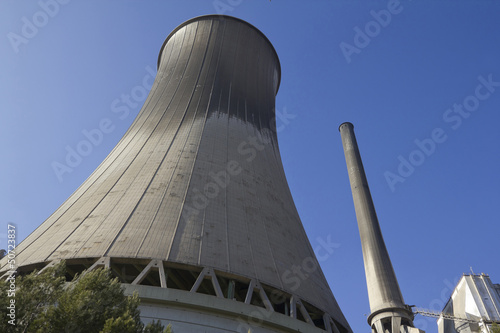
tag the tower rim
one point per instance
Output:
(348, 123)
(180, 26)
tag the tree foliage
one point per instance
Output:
(495, 328)
(92, 303)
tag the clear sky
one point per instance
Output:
(420, 81)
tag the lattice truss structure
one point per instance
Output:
(206, 280)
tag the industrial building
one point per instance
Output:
(473, 307)
(192, 209)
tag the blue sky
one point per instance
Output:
(420, 81)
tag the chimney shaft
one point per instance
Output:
(386, 301)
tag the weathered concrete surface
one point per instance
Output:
(198, 178)
(386, 300)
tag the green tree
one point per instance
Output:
(93, 302)
(31, 295)
(157, 327)
(495, 328)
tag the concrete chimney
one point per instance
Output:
(388, 311)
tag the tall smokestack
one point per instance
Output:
(388, 311)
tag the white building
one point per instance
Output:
(475, 298)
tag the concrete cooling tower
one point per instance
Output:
(192, 209)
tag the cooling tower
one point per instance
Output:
(192, 208)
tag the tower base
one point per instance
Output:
(189, 312)
(393, 320)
